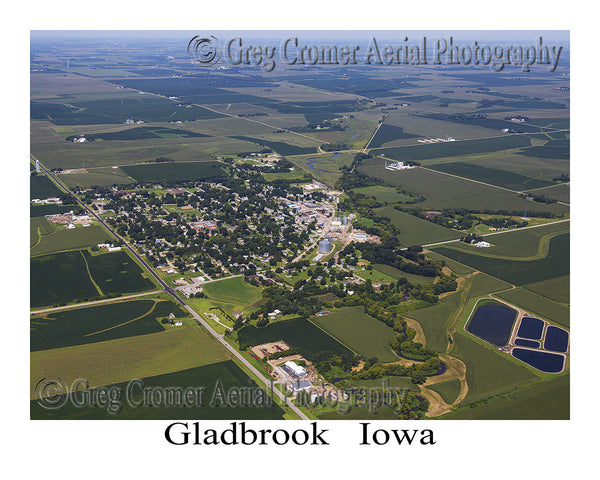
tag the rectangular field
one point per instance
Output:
(538, 305)
(208, 380)
(67, 239)
(416, 231)
(296, 332)
(99, 323)
(555, 264)
(122, 359)
(173, 171)
(359, 331)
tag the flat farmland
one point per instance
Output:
(99, 323)
(537, 305)
(416, 231)
(488, 372)
(41, 187)
(116, 272)
(66, 276)
(557, 289)
(98, 176)
(122, 359)
(444, 191)
(500, 178)
(296, 332)
(39, 226)
(173, 171)
(60, 238)
(555, 264)
(361, 332)
(561, 192)
(524, 404)
(60, 277)
(118, 153)
(451, 149)
(525, 243)
(206, 377)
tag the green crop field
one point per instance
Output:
(66, 276)
(555, 264)
(488, 372)
(389, 133)
(526, 243)
(145, 108)
(39, 226)
(140, 133)
(173, 171)
(416, 231)
(359, 331)
(501, 178)
(523, 404)
(557, 289)
(41, 187)
(48, 209)
(116, 272)
(296, 332)
(452, 149)
(538, 305)
(279, 147)
(444, 191)
(98, 176)
(214, 379)
(122, 359)
(59, 277)
(66, 239)
(448, 390)
(99, 323)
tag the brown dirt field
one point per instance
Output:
(455, 369)
(270, 348)
(437, 406)
(420, 336)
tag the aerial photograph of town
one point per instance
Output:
(303, 225)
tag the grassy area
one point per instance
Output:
(232, 290)
(207, 378)
(359, 331)
(99, 323)
(122, 359)
(382, 193)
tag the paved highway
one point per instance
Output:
(171, 291)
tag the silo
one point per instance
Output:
(325, 245)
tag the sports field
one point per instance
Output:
(361, 332)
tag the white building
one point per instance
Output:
(483, 244)
(295, 369)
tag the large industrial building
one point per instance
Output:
(294, 370)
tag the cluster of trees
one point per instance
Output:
(403, 343)
(471, 238)
(563, 177)
(540, 199)
(334, 147)
(485, 211)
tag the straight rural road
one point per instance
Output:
(171, 292)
